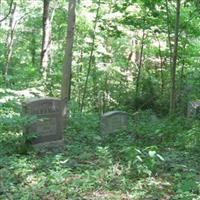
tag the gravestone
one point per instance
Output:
(49, 124)
(193, 109)
(113, 121)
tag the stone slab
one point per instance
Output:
(113, 121)
(49, 124)
(193, 110)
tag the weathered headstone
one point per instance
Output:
(113, 121)
(49, 123)
(193, 109)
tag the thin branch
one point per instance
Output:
(91, 56)
(168, 30)
(10, 9)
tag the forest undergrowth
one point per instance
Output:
(156, 158)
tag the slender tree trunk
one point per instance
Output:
(91, 57)
(51, 50)
(174, 61)
(9, 12)
(66, 80)
(168, 30)
(105, 94)
(182, 68)
(100, 102)
(137, 52)
(9, 41)
(161, 66)
(46, 39)
(33, 47)
(95, 87)
(140, 64)
(79, 71)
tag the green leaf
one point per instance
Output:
(152, 154)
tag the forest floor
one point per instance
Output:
(156, 159)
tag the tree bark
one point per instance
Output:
(79, 71)
(174, 60)
(46, 38)
(182, 68)
(66, 80)
(161, 65)
(91, 57)
(9, 12)
(140, 64)
(168, 31)
(9, 41)
(33, 47)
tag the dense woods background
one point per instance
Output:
(133, 55)
(128, 54)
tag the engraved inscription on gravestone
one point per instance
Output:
(48, 126)
(113, 121)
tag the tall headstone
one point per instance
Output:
(49, 124)
(113, 121)
(193, 109)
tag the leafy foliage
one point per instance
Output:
(121, 60)
(128, 164)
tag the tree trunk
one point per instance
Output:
(174, 61)
(9, 41)
(66, 80)
(168, 30)
(46, 39)
(161, 65)
(183, 67)
(9, 12)
(79, 71)
(140, 64)
(137, 52)
(33, 47)
(91, 57)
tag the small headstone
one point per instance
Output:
(49, 123)
(136, 116)
(193, 109)
(113, 121)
